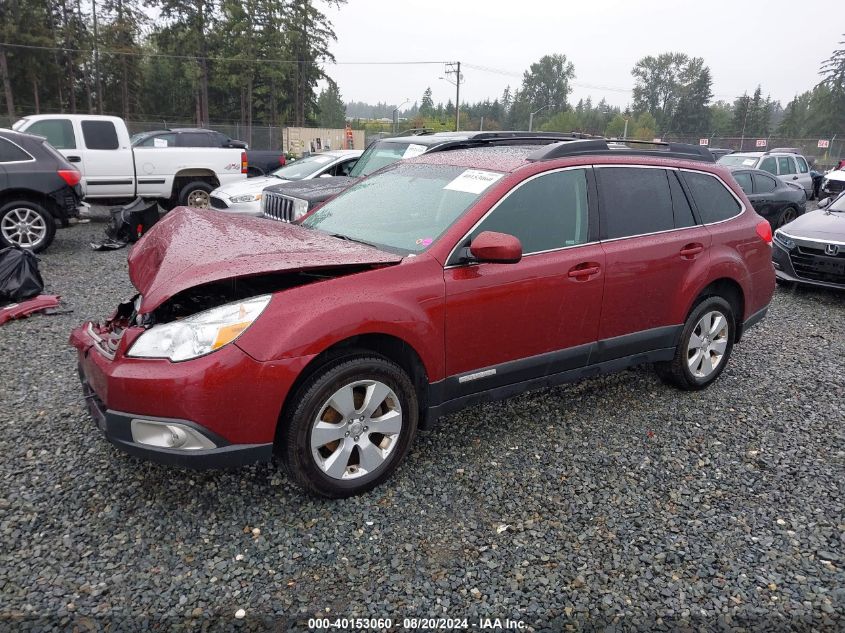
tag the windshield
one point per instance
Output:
(381, 154)
(303, 167)
(738, 159)
(404, 209)
(838, 204)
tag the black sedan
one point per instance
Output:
(777, 201)
(39, 190)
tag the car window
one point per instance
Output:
(544, 213)
(381, 154)
(715, 203)
(99, 135)
(737, 160)
(802, 164)
(634, 201)
(58, 132)
(786, 165)
(11, 153)
(302, 168)
(159, 140)
(194, 139)
(343, 168)
(764, 184)
(405, 208)
(680, 205)
(743, 179)
(768, 164)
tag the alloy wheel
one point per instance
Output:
(707, 344)
(199, 199)
(24, 227)
(356, 430)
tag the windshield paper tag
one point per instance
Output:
(473, 181)
(413, 150)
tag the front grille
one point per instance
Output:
(819, 251)
(218, 203)
(834, 186)
(818, 268)
(278, 207)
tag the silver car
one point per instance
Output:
(788, 166)
(244, 196)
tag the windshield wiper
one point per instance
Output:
(351, 239)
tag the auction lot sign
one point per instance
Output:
(823, 143)
(761, 142)
(704, 141)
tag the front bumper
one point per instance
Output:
(802, 265)
(227, 397)
(832, 187)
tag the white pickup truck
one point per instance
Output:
(111, 168)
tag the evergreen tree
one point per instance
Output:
(330, 107)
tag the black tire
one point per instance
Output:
(13, 211)
(192, 189)
(786, 216)
(677, 371)
(294, 435)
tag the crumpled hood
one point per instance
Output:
(837, 175)
(250, 185)
(317, 188)
(818, 225)
(190, 247)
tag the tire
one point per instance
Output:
(26, 224)
(193, 192)
(687, 370)
(339, 468)
(786, 216)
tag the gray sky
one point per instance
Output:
(776, 43)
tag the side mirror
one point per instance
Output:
(496, 248)
(824, 203)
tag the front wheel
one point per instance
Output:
(705, 346)
(786, 216)
(26, 224)
(350, 426)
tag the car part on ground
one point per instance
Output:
(405, 298)
(811, 250)
(41, 303)
(20, 278)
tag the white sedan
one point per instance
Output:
(244, 197)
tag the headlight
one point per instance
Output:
(300, 208)
(784, 241)
(201, 333)
(252, 197)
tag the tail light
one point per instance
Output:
(764, 230)
(243, 162)
(282, 160)
(70, 176)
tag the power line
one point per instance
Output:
(327, 62)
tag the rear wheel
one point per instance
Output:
(26, 224)
(350, 426)
(705, 346)
(196, 194)
(786, 216)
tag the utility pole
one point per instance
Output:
(454, 68)
(531, 116)
(97, 60)
(625, 133)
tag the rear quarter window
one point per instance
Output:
(99, 135)
(11, 153)
(713, 200)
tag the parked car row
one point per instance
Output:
(436, 282)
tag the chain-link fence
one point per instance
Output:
(824, 157)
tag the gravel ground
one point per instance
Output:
(613, 501)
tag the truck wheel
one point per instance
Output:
(26, 224)
(196, 194)
(705, 346)
(349, 426)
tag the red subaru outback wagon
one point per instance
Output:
(436, 283)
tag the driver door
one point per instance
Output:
(507, 323)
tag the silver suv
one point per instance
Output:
(788, 166)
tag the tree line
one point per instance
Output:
(671, 97)
(250, 61)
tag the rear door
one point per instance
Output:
(653, 245)
(787, 170)
(764, 198)
(804, 177)
(508, 323)
(109, 167)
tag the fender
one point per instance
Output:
(307, 320)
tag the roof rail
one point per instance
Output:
(578, 147)
(484, 140)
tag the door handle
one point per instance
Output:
(74, 159)
(584, 270)
(691, 250)
(795, 178)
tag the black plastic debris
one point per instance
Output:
(19, 276)
(128, 223)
